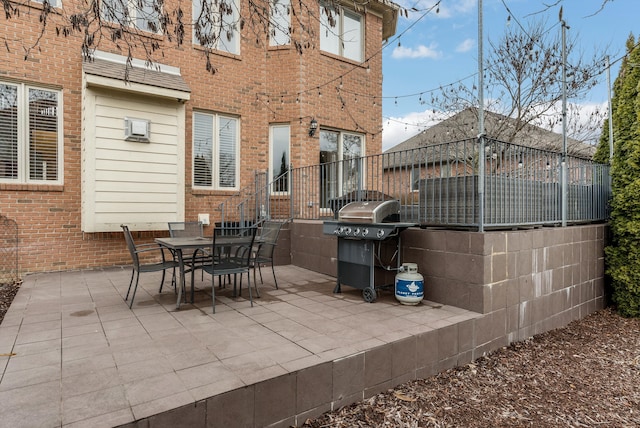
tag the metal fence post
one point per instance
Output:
(481, 166)
(291, 191)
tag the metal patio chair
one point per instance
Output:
(190, 229)
(135, 251)
(265, 248)
(233, 253)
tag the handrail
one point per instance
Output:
(468, 183)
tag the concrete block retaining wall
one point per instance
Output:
(518, 284)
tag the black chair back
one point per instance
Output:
(185, 229)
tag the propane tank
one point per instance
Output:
(409, 284)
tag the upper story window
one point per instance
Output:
(141, 14)
(341, 32)
(30, 134)
(52, 3)
(215, 24)
(280, 23)
(215, 151)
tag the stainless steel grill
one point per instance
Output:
(363, 229)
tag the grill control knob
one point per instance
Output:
(347, 230)
(365, 231)
(356, 232)
(380, 233)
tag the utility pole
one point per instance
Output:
(564, 176)
(610, 112)
(481, 142)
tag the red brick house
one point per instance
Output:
(87, 144)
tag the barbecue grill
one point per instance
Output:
(364, 229)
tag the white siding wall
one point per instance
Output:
(125, 182)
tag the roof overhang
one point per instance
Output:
(116, 72)
(386, 9)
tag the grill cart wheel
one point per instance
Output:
(369, 295)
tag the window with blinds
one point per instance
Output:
(30, 137)
(215, 151)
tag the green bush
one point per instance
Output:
(623, 255)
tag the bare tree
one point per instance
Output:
(212, 24)
(523, 81)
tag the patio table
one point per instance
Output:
(179, 244)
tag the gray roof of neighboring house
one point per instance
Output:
(464, 125)
(145, 76)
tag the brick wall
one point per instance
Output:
(263, 86)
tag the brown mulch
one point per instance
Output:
(7, 293)
(584, 375)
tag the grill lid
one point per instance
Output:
(370, 211)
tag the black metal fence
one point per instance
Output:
(469, 184)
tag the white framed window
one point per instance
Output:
(52, 3)
(216, 142)
(30, 134)
(341, 169)
(280, 23)
(216, 24)
(415, 178)
(341, 32)
(280, 149)
(141, 14)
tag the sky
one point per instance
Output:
(432, 49)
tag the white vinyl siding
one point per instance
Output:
(215, 151)
(140, 184)
(30, 134)
(216, 25)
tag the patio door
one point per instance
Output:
(341, 168)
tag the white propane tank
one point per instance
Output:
(409, 284)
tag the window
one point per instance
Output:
(280, 23)
(141, 14)
(280, 157)
(216, 24)
(215, 151)
(340, 157)
(52, 3)
(30, 134)
(341, 32)
(415, 178)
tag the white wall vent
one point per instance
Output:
(136, 130)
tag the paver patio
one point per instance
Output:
(73, 354)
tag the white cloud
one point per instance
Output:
(466, 45)
(418, 52)
(395, 130)
(445, 10)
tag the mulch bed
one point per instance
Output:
(584, 375)
(7, 293)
